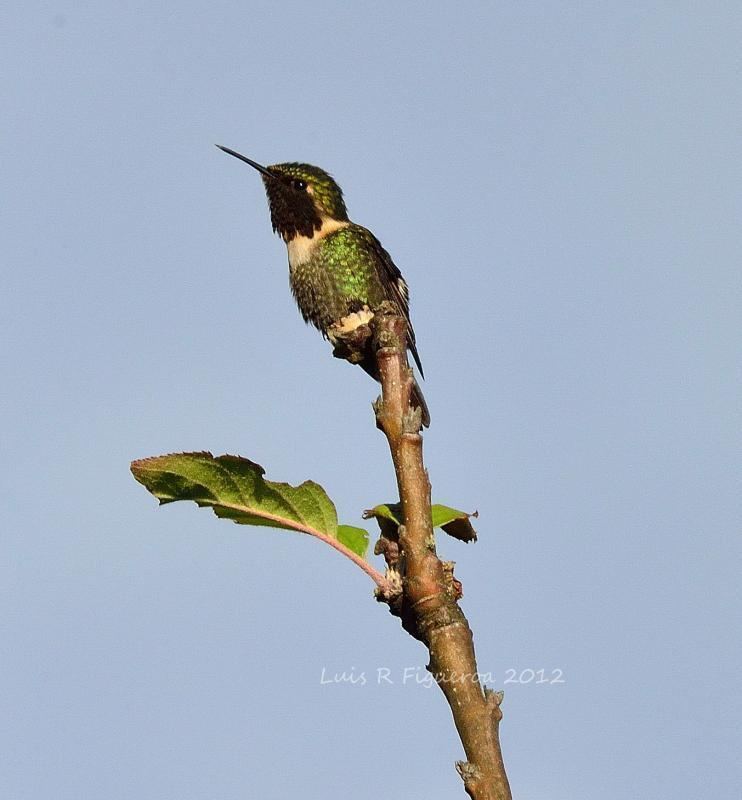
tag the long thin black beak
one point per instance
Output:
(249, 161)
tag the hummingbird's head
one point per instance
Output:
(302, 198)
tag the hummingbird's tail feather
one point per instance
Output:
(413, 349)
(417, 399)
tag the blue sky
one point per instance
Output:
(560, 184)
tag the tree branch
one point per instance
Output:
(428, 603)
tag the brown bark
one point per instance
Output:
(428, 603)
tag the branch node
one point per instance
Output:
(453, 586)
(494, 698)
(471, 775)
(494, 701)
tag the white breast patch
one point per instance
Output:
(300, 248)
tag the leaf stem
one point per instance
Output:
(359, 561)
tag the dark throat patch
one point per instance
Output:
(292, 211)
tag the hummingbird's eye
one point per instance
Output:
(299, 184)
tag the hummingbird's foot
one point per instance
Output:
(347, 325)
(350, 336)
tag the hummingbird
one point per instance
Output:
(339, 272)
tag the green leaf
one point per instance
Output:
(355, 539)
(390, 511)
(388, 515)
(454, 522)
(234, 488)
